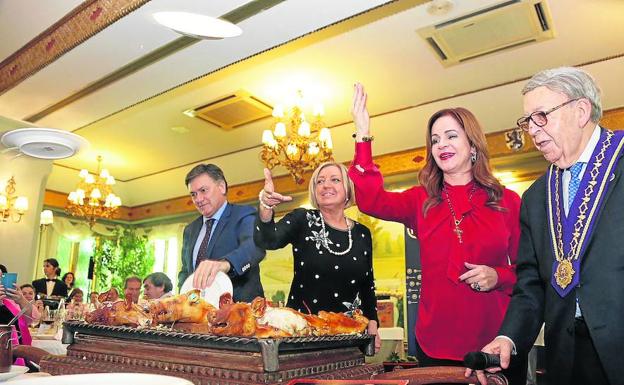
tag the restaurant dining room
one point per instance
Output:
(191, 191)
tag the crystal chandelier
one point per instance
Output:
(295, 143)
(93, 197)
(12, 206)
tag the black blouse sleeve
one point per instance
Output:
(273, 236)
(369, 301)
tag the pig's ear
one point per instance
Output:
(225, 299)
(258, 307)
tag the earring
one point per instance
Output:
(473, 157)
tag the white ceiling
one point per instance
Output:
(129, 121)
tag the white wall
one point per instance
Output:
(19, 241)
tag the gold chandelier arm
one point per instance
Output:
(295, 147)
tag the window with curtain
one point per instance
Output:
(167, 257)
(74, 256)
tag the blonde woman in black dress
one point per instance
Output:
(333, 268)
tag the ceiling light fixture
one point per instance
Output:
(440, 7)
(44, 143)
(94, 197)
(196, 25)
(290, 144)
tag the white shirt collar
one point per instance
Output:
(591, 145)
(217, 215)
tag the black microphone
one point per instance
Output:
(481, 361)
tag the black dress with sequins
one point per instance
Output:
(323, 280)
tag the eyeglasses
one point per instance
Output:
(539, 117)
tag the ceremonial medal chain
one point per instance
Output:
(458, 231)
(565, 271)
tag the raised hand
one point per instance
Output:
(360, 112)
(269, 198)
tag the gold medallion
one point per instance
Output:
(564, 273)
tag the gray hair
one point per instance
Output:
(213, 171)
(574, 82)
(159, 279)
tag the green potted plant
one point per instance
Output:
(120, 256)
(394, 362)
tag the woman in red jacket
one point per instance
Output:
(468, 227)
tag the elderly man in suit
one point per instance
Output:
(570, 264)
(221, 239)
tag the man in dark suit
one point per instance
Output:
(50, 285)
(570, 264)
(221, 239)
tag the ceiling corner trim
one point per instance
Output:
(83, 22)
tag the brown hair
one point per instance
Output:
(432, 178)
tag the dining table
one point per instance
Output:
(50, 341)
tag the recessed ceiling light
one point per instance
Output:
(440, 7)
(180, 129)
(196, 25)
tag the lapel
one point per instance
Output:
(616, 174)
(57, 287)
(216, 233)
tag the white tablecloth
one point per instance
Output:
(51, 346)
(28, 376)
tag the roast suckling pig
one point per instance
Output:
(119, 313)
(240, 319)
(260, 320)
(187, 307)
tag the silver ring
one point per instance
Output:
(476, 286)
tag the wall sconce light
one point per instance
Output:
(12, 206)
(46, 219)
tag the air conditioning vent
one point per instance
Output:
(233, 110)
(507, 25)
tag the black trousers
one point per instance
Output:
(516, 374)
(587, 367)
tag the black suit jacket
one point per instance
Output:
(60, 288)
(600, 292)
(232, 240)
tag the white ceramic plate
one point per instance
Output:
(104, 379)
(222, 284)
(15, 371)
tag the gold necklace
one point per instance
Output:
(458, 231)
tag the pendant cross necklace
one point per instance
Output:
(458, 231)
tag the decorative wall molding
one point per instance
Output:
(80, 24)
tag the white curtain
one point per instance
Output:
(165, 233)
(74, 230)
